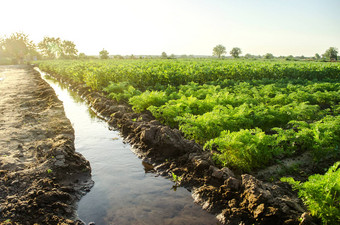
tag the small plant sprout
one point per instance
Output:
(49, 171)
(176, 179)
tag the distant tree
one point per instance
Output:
(331, 53)
(118, 57)
(68, 49)
(290, 58)
(317, 56)
(249, 56)
(18, 47)
(1, 47)
(164, 55)
(50, 47)
(235, 52)
(82, 56)
(53, 48)
(269, 56)
(103, 54)
(172, 56)
(219, 50)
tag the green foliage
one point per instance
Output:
(53, 48)
(164, 55)
(321, 193)
(148, 74)
(331, 53)
(103, 54)
(326, 136)
(121, 91)
(16, 48)
(235, 52)
(269, 56)
(244, 149)
(8, 221)
(146, 99)
(176, 179)
(219, 50)
(240, 108)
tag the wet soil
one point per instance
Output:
(235, 198)
(41, 175)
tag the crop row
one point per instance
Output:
(155, 74)
(248, 125)
(248, 113)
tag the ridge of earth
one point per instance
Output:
(41, 176)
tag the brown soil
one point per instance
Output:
(235, 198)
(41, 175)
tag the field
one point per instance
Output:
(252, 116)
(249, 113)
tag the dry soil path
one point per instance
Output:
(41, 175)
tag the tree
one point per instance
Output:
(164, 55)
(331, 53)
(269, 56)
(68, 49)
(82, 56)
(172, 56)
(290, 58)
(50, 47)
(18, 47)
(103, 54)
(1, 47)
(118, 57)
(235, 52)
(249, 56)
(317, 56)
(219, 50)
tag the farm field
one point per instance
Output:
(275, 120)
(250, 114)
(170, 112)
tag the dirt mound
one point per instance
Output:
(41, 175)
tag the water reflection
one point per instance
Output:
(126, 190)
(148, 168)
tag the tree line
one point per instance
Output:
(331, 54)
(18, 48)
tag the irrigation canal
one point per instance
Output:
(125, 191)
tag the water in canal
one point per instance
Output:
(124, 191)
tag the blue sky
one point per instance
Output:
(281, 27)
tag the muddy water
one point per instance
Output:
(125, 191)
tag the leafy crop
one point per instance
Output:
(248, 112)
(321, 193)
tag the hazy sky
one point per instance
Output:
(281, 27)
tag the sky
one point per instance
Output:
(150, 27)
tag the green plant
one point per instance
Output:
(245, 149)
(293, 106)
(49, 171)
(321, 193)
(176, 179)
